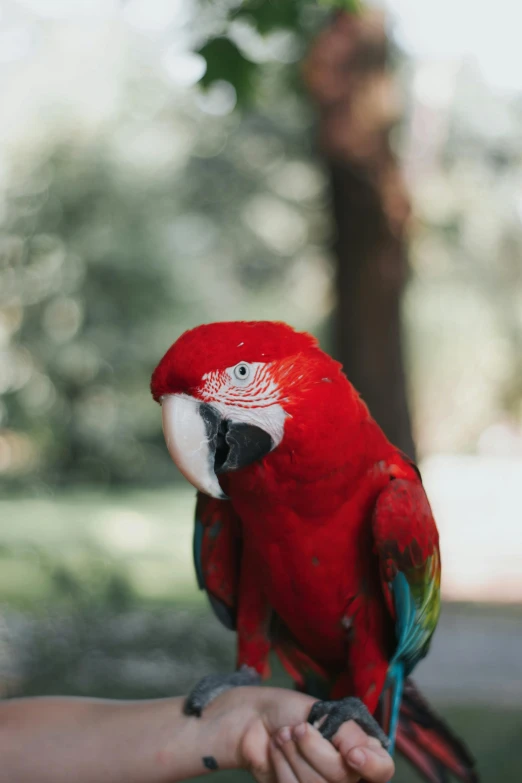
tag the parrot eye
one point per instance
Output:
(242, 371)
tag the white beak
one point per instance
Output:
(188, 443)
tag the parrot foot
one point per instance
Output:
(211, 686)
(338, 712)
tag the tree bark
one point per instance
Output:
(348, 76)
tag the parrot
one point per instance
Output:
(313, 536)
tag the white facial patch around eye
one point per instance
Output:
(255, 399)
(246, 384)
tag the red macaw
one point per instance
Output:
(314, 536)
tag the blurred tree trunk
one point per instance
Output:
(347, 74)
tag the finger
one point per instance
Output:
(282, 771)
(348, 736)
(374, 744)
(302, 770)
(321, 755)
(372, 764)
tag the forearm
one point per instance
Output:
(61, 739)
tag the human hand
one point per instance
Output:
(268, 731)
(302, 755)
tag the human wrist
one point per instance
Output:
(226, 721)
(212, 741)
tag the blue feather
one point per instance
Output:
(395, 681)
(409, 644)
(411, 635)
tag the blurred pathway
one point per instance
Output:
(476, 657)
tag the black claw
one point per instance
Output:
(320, 709)
(211, 686)
(335, 713)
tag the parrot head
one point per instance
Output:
(232, 393)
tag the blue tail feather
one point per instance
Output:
(395, 682)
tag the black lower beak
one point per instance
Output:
(234, 444)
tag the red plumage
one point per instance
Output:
(305, 552)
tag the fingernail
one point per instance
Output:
(356, 757)
(284, 735)
(300, 731)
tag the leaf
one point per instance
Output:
(267, 15)
(225, 62)
(352, 6)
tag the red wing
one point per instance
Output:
(217, 554)
(407, 543)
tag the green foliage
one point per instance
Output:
(226, 62)
(268, 16)
(352, 6)
(111, 248)
(227, 53)
(90, 290)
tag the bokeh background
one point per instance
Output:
(169, 162)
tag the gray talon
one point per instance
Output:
(338, 712)
(211, 686)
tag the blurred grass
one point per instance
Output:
(99, 598)
(144, 537)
